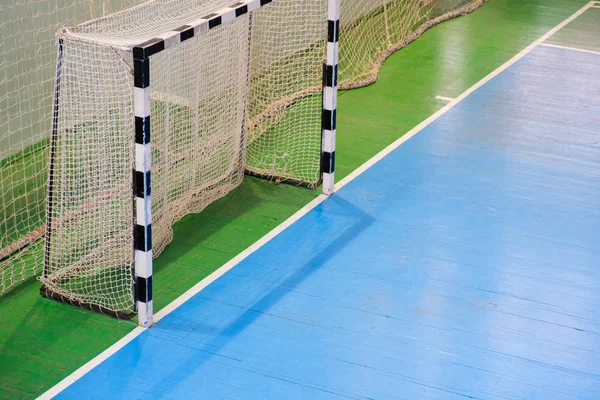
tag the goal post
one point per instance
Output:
(179, 112)
(142, 188)
(330, 83)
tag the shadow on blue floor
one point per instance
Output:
(248, 316)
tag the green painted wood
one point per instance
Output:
(41, 341)
(583, 33)
(445, 61)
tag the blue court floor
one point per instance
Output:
(464, 265)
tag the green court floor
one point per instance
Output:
(41, 342)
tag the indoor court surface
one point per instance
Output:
(463, 264)
(458, 259)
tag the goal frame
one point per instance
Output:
(142, 182)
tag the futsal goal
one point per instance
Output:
(159, 110)
(153, 112)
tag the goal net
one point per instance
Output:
(243, 97)
(372, 30)
(248, 88)
(27, 72)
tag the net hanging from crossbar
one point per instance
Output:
(256, 108)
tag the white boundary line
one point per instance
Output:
(93, 363)
(444, 98)
(558, 46)
(62, 385)
(69, 380)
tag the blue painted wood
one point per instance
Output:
(466, 264)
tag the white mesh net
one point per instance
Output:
(89, 246)
(284, 135)
(27, 71)
(371, 30)
(245, 96)
(288, 50)
(202, 105)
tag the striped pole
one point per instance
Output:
(330, 82)
(142, 224)
(142, 191)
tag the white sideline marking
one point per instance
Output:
(62, 385)
(444, 98)
(558, 46)
(93, 363)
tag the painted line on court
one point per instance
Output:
(62, 385)
(558, 46)
(444, 98)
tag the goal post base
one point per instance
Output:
(52, 295)
(287, 181)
